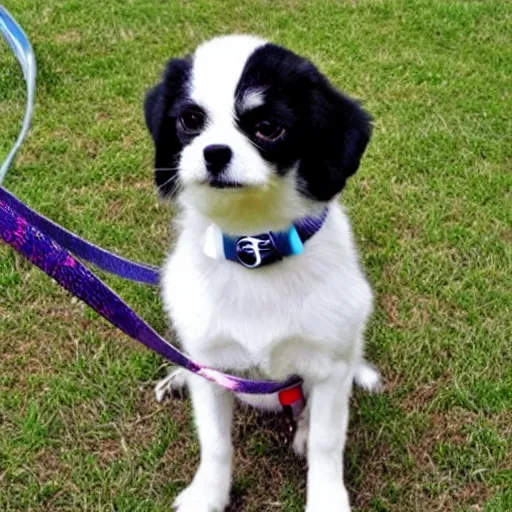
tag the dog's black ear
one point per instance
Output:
(154, 108)
(158, 113)
(337, 135)
(161, 98)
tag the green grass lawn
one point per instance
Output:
(432, 212)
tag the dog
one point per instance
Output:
(255, 145)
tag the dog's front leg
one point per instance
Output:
(329, 410)
(213, 411)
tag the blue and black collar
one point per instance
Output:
(266, 248)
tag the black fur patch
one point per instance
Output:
(162, 107)
(326, 132)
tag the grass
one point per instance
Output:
(432, 211)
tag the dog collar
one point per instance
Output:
(256, 251)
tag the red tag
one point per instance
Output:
(290, 396)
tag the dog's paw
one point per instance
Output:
(332, 497)
(175, 382)
(202, 498)
(368, 377)
(300, 440)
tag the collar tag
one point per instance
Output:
(213, 243)
(293, 402)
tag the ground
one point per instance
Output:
(432, 213)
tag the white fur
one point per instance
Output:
(217, 68)
(252, 99)
(305, 315)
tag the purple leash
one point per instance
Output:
(49, 246)
(44, 252)
(105, 260)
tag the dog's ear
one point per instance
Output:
(158, 113)
(337, 135)
(154, 108)
(160, 99)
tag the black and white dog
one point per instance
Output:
(254, 142)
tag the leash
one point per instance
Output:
(58, 263)
(101, 258)
(23, 51)
(52, 248)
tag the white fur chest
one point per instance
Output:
(289, 317)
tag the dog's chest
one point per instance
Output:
(285, 319)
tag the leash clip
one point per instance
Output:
(293, 402)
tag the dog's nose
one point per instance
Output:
(217, 156)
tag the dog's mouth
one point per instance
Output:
(223, 183)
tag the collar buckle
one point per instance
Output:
(257, 251)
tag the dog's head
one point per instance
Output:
(244, 124)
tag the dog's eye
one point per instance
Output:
(269, 131)
(191, 122)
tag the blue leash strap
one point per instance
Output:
(22, 48)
